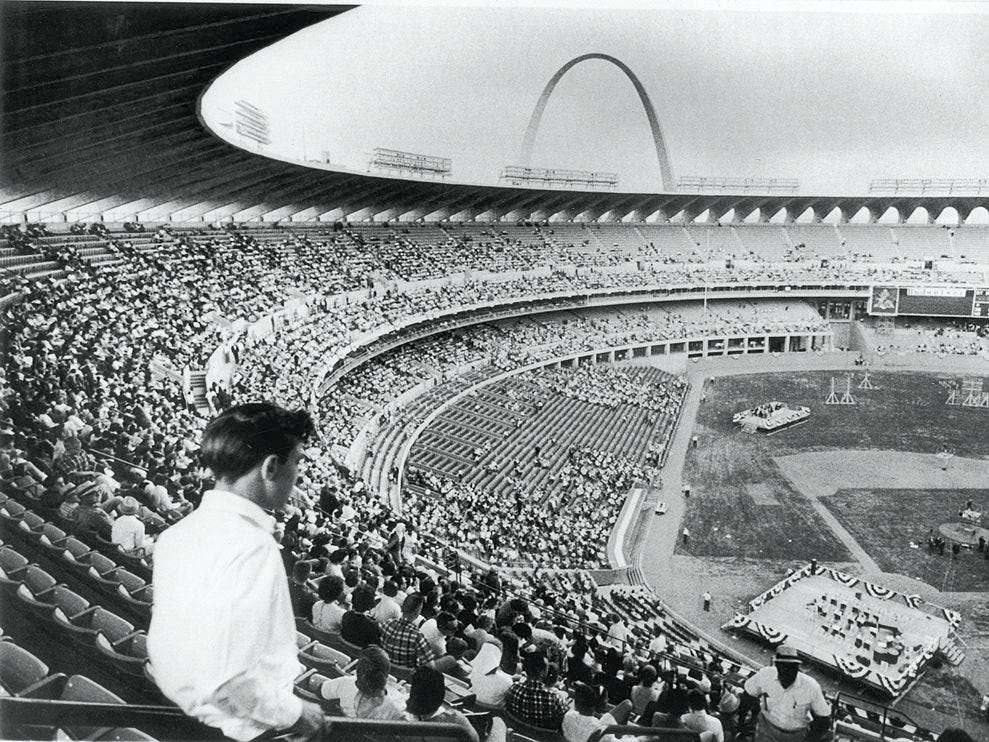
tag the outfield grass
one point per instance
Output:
(906, 413)
(885, 521)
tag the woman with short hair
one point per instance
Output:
(364, 695)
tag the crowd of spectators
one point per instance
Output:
(961, 338)
(94, 426)
(566, 526)
(613, 387)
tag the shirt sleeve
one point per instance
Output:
(426, 651)
(753, 686)
(818, 703)
(330, 689)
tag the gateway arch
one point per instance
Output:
(665, 169)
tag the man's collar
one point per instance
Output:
(228, 502)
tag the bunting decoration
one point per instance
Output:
(914, 601)
(851, 667)
(842, 578)
(893, 685)
(878, 591)
(771, 635)
(738, 622)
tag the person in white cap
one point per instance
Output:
(791, 704)
(128, 530)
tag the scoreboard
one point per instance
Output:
(931, 301)
(980, 307)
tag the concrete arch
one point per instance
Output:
(665, 169)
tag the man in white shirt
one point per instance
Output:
(791, 704)
(698, 720)
(437, 630)
(222, 635)
(128, 530)
(388, 607)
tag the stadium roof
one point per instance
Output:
(100, 122)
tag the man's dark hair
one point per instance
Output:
(535, 664)
(696, 700)
(241, 437)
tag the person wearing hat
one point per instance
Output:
(128, 530)
(791, 704)
(356, 626)
(364, 694)
(89, 519)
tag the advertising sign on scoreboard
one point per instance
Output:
(941, 301)
(930, 301)
(981, 306)
(883, 300)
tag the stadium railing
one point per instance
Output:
(18, 716)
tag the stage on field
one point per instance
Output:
(877, 636)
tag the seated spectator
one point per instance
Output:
(478, 634)
(327, 612)
(24, 482)
(299, 591)
(405, 644)
(646, 692)
(580, 722)
(728, 715)
(426, 694)
(89, 519)
(364, 694)
(698, 720)
(579, 665)
(488, 680)
(438, 631)
(452, 662)
(387, 608)
(128, 530)
(531, 702)
(69, 505)
(356, 626)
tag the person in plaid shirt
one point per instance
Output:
(402, 640)
(530, 701)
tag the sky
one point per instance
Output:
(832, 95)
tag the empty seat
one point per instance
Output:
(127, 655)
(31, 523)
(38, 581)
(19, 669)
(139, 600)
(12, 568)
(60, 597)
(76, 554)
(81, 689)
(308, 685)
(83, 627)
(325, 659)
(11, 512)
(51, 538)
